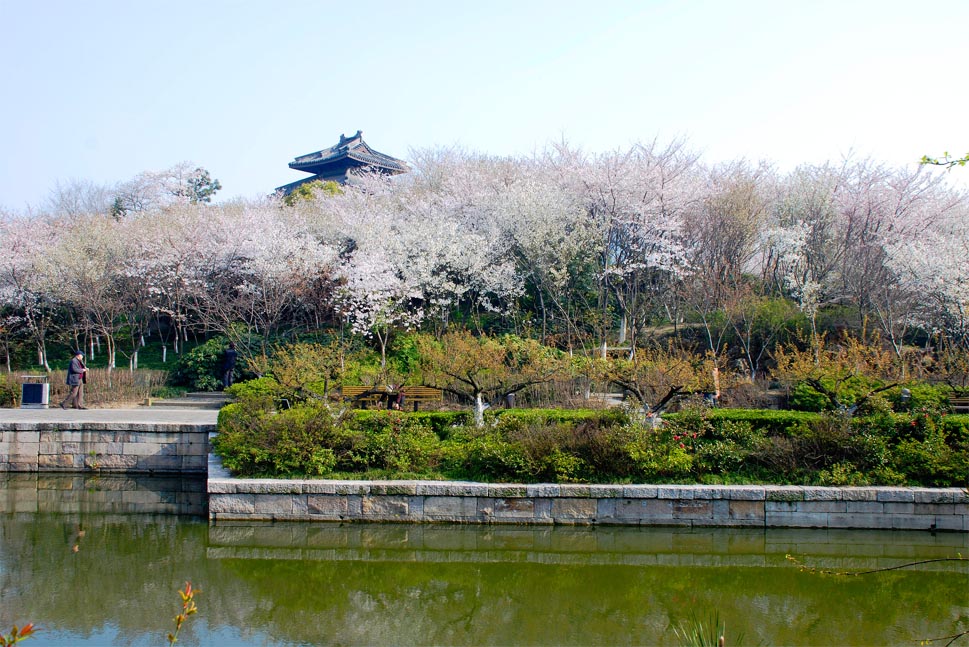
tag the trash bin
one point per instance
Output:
(34, 392)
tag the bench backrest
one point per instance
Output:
(422, 392)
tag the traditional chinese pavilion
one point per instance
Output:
(335, 162)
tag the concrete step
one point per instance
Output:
(201, 400)
(186, 403)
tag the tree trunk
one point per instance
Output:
(479, 409)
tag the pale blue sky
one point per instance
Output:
(104, 89)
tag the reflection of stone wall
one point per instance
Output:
(104, 447)
(104, 495)
(648, 505)
(580, 546)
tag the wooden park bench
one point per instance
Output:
(418, 394)
(364, 395)
(381, 393)
(959, 405)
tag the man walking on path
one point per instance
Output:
(75, 380)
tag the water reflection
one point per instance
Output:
(456, 585)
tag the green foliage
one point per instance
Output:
(200, 369)
(947, 160)
(258, 387)
(921, 396)
(305, 441)
(695, 632)
(563, 446)
(659, 456)
(309, 191)
(804, 397)
(9, 391)
(168, 392)
(395, 442)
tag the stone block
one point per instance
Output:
(429, 488)
(673, 492)
(692, 509)
(395, 506)
(640, 492)
(117, 463)
(771, 506)
(504, 491)
(746, 510)
(951, 522)
(139, 449)
(450, 506)
(825, 505)
(745, 493)
(895, 495)
(545, 490)
(795, 520)
(643, 509)
(605, 491)
(518, 508)
(273, 504)
(912, 521)
(713, 492)
(583, 509)
(232, 503)
(866, 507)
(358, 488)
(821, 493)
(194, 463)
(899, 508)
(54, 461)
(404, 488)
(158, 463)
(573, 491)
(947, 495)
(319, 487)
(859, 494)
(784, 493)
(275, 486)
(860, 520)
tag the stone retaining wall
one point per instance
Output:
(106, 447)
(634, 505)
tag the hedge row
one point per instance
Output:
(532, 445)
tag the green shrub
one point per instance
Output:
(658, 456)
(803, 397)
(842, 474)
(304, 441)
(200, 369)
(921, 396)
(395, 442)
(486, 457)
(258, 387)
(9, 391)
(168, 392)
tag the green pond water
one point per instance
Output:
(98, 561)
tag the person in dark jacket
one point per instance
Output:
(75, 380)
(229, 365)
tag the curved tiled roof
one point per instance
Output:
(353, 149)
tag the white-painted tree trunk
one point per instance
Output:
(479, 408)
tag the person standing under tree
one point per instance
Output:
(229, 365)
(76, 374)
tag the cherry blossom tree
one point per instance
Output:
(25, 277)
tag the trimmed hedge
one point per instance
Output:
(537, 445)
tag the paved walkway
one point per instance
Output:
(141, 415)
